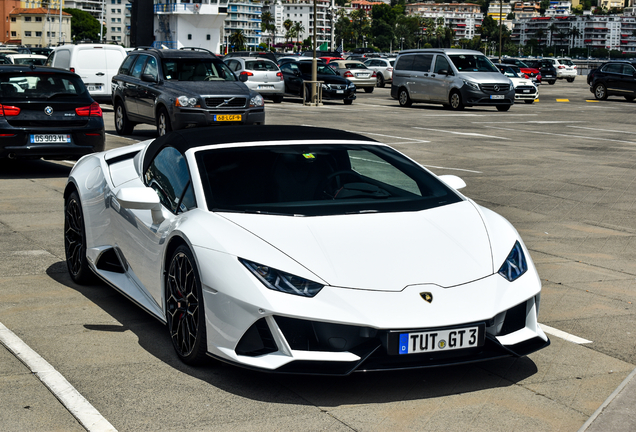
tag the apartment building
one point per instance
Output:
(37, 27)
(464, 18)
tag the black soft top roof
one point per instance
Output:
(183, 140)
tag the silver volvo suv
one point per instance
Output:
(455, 78)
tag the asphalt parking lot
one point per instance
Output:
(561, 170)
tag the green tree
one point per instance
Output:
(237, 39)
(267, 25)
(84, 26)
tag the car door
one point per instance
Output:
(131, 86)
(421, 75)
(629, 79)
(613, 77)
(141, 237)
(147, 91)
(440, 79)
(293, 78)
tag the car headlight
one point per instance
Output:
(515, 265)
(257, 101)
(471, 84)
(280, 281)
(324, 86)
(185, 101)
(352, 85)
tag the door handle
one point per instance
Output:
(100, 74)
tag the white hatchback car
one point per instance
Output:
(263, 75)
(565, 68)
(383, 68)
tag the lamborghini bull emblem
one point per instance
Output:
(427, 296)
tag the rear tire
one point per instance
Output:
(185, 312)
(368, 89)
(277, 98)
(404, 98)
(570, 79)
(551, 82)
(380, 82)
(123, 126)
(75, 241)
(348, 101)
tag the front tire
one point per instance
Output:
(348, 101)
(404, 98)
(629, 98)
(529, 101)
(455, 101)
(75, 241)
(163, 123)
(503, 107)
(184, 307)
(123, 126)
(600, 91)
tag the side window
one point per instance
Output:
(62, 59)
(168, 175)
(124, 69)
(139, 66)
(422, 62)
(405, 63)
(629, 70)
(442, 64)
(151, 67)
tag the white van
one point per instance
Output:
(96, 64)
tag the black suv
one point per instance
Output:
(547, 69)
(48, 113)
(615, 78)
(175, 89)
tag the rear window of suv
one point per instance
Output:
(44, 85)
(189, 69)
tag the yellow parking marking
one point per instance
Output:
(563, 100)
(591, 100)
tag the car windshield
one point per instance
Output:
(29, 61)
(313, 180)
(44, 85)
(509, 72)
(323, 69)
(260, 65)
(190, 69)
(472, 63)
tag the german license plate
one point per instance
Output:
(439, 340)
(228, 117)
(91, 88)
(496, 96)
(50, 138)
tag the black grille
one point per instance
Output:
(337, 86)
(520, 90)
(225, 102)
(495, 88)
(257, 340)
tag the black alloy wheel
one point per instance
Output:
(184, 307)
(75, 242)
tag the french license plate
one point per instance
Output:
(496, 96)
(228, 117)
(91, 88)
(548, 76)
(526, 91)
(50, 138)
(439, 340)
(339, 91)
(265, 87)
(362, 75)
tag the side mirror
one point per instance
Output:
(149, 78)
(141, 198)
(453, 181)
(443, 72)
(242, 78)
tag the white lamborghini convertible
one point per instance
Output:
(304, 250)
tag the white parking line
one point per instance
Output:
(563, 335)
(74, 402)
(601, 130)
(462, 133)
(564, 135)
(454, 169)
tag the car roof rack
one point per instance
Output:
(197, 49)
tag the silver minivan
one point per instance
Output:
(455, 78)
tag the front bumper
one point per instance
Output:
(196, 117)
(473, 97)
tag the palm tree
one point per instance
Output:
(574, 32)
(288, 24)
(266, 23)
(237, 39)
(299, 29)
(553, 28)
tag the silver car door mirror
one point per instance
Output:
(141, 198)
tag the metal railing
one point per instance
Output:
(307, 93)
